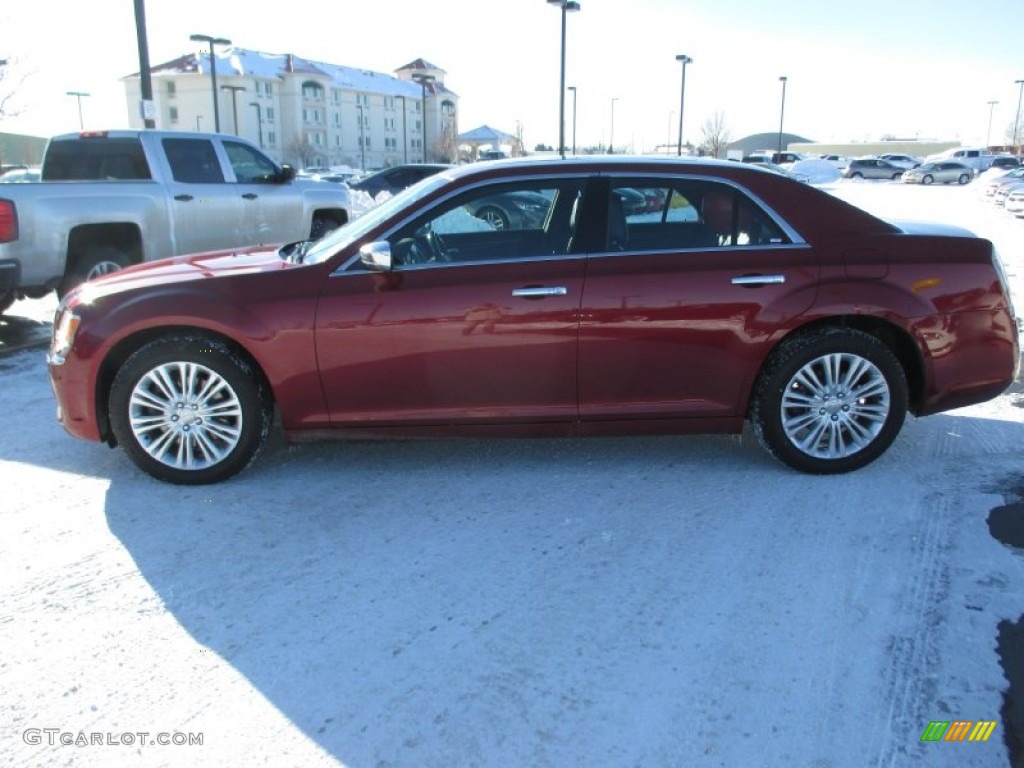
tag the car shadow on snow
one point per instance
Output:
(475, 602)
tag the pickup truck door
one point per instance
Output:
(272, 212)
(206, 212)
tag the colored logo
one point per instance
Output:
(959, 730)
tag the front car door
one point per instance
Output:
(683, 302)
(272, 212)
(474, 325)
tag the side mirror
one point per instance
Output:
(287, 173)
(376, 256)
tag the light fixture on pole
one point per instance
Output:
(423, 80)
(682, 57)
(78, 95)
(611, 130)
(234, 102)
(405, 136)
(1016, 118)
(782, 109)
(212, 41)
(573, 89)
(567, 6)
(259, 120)
(988, 136)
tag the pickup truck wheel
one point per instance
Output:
(322, 225)
(101, 260)
(830, 401)
(189, 410)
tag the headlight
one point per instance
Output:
(64, 329)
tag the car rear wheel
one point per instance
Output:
(928, 179)
(830, 401)
(856, 175)
(963, 179)
(495, 217)
(96, 262)
(189, 410)
(897, 176)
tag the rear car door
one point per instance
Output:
(474, 325)
(206, 211)
(681, 305)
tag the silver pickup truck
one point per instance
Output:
(109, 199)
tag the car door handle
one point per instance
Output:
(539, 292)
(250, 196)
(759, 280)
(184, 198)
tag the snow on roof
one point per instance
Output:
(242, 62)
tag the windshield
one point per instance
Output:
(343, 237)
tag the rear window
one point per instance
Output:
(95, 159)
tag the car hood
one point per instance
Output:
(179, 269)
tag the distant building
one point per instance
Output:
(761, 141)
(307, 113)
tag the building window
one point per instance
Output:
(174, 114)
(271, 138)
(270, 114)
(312, 91)
(171, 89)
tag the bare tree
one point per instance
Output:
(448, 147)
(8, 88)
(714, 134)
(302, 151)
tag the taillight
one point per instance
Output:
(8, 222)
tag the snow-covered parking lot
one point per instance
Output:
(671, 601)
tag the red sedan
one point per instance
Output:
(743, 296)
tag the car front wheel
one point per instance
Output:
(830, 401)
(189, 410)
(964, 178)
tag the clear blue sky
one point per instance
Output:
(856, 70)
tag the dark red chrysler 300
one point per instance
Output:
(740, 295)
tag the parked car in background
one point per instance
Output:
(1015, 203)
(1004, 161)
(977, 158)
(1005, 178)
(839, 161)
(702, 316)
(872, 168)
(394, 180)
(903, 161)
(1003, 191)
(493, 154)
(943, 172)
(21, 175)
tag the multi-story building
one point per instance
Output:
(307, 113)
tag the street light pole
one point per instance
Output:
(405, 136)
(1016, 117)
(78, 95)
(362, 140)
(611, 130)
(566, 6)
(259, 120)
(991, 109)
(198, 119)
(423, 80)
(682, 100)
(234, 102)
(212, 41)
(782, 110)
(573, 89)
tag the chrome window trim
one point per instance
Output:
(704, 249)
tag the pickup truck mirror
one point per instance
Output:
(287, 173)
(376, 256)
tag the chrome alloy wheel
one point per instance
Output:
(835, 406)
(102, 268)
(185, 415)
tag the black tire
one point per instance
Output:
(928, 179)
(897, 176)
(963, 178)
(496, 217)
(7, 300)
(218, 432)
(98, 260)
(856, 175)
(842, 429)
(322, 225)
